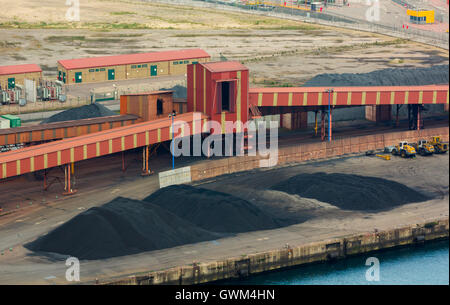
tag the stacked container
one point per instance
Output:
(4, 123)
(14, 121)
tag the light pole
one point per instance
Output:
(329, 91)
(172, 115)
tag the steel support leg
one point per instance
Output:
(330, 126)
(67, 180)
(315, 123)
(322, 125)
(396, 116)
(145, 156)
(418, 117)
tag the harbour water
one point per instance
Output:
(415, 265)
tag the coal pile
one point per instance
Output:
(351, 192)
(178, 91)
(120, 227)
(83, 112)
(212, 210)
(386, 77)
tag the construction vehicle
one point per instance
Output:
(404, 150)
(439, 147)
(423, 147)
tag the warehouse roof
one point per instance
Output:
(19, 69)
(128, 59)
(224, 66)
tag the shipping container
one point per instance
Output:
(14, 121)
(4, 123)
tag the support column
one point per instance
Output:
(145, 156)
(45, 180)
(378, 113)
(396, 116)
(294, 120)
(123, 161)
(418, 117)
(330, 127)
(67, 180)
(322, 125)
(315, 123)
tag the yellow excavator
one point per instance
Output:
(439, 147)
(404, 150)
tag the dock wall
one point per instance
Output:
(321, 251)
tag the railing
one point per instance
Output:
(278, 10)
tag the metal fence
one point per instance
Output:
(429, 37)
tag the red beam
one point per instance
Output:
(102, 143)
(349, 96)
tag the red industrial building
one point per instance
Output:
(219, 90)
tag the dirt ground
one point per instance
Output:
(278, 52)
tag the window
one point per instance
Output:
(139, 66)
(102, 69)
(226, 95)
(186, 61)
(144, 66)
(91, 70)
(133, 67)
(180, 62)
(175, 62)
(96, 70)
(159, 106)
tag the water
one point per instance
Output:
(416, 265)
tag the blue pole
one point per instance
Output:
(329, 116)
(173, 147)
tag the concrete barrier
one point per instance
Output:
(176, 176)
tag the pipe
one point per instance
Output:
(418, 117)
(315, 123)
(330, 126)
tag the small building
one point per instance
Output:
(10, 76)
(129, 66)
(420, 16)
(148, 105)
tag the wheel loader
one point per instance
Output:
(404, 150)
(439, 147)
(423, 147)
